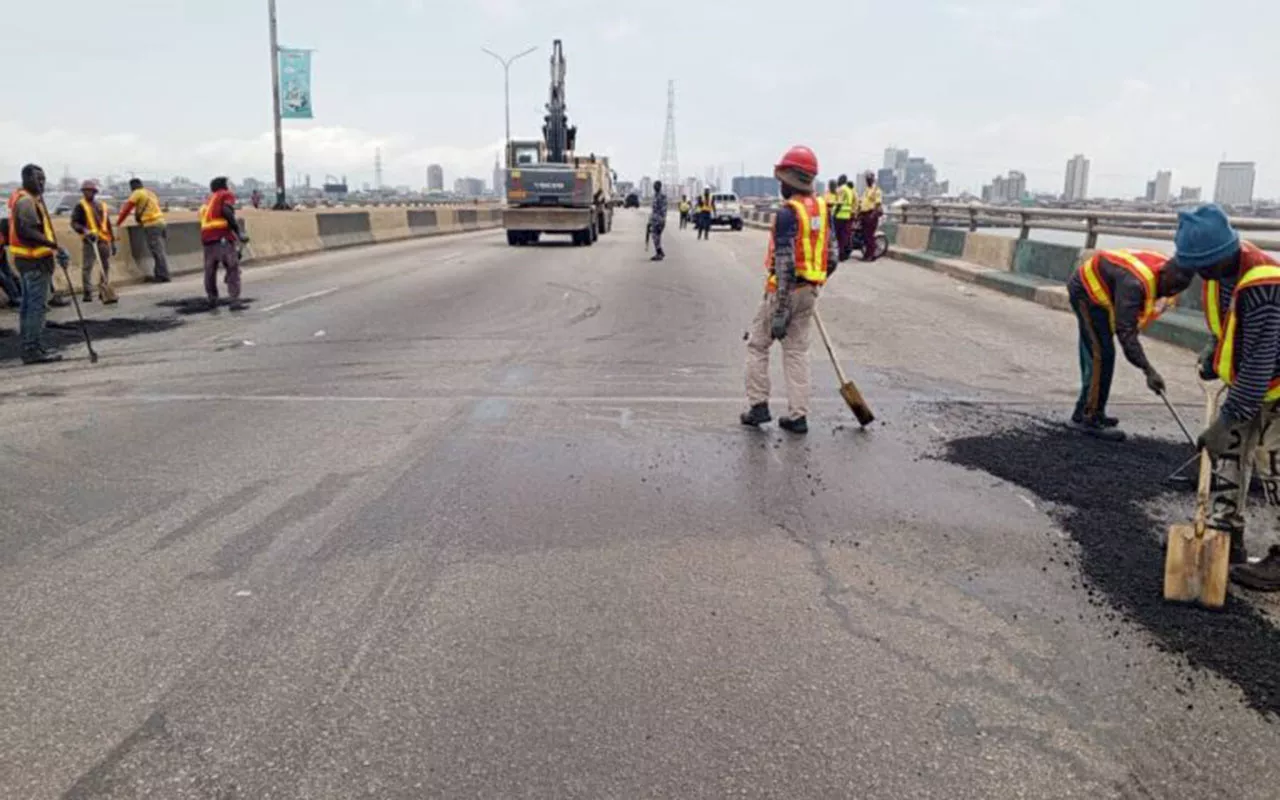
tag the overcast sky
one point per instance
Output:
(978, 86)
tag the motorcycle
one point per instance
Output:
(881, 242)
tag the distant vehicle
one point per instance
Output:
(728, 210)
(632, 201)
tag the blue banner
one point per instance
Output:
(295, 84)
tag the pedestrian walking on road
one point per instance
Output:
(92, 220)
(1242, 309)
(1117, 293)
(220, 234)
(658, 221)
(34, 249)
(146, 210)
(802, 253)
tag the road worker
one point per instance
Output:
(1117, 293)
(1242, 309)
(220, 234)
(802, 252)
(35, 250)
(830, 196)
(846, 205)
(685, 207)
(870, 209)
(146, 210)
(706, 210)
(92, 220)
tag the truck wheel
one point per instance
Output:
(514, 238)
(593, 234)
(737, 224)
(578, 238)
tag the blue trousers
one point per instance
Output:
(36, 282)
(1097, 357)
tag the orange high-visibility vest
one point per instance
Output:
(812, 237)
(1211, 291)
(1259, 272)
(98, 226)
(212, 222)
(1144, 265)
(17, 246)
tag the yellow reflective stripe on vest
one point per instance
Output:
(1093, 283)
(91, 216)
(847, 199)
(806, 243)
(1209, 299)
(1144, 274)
(1224, 359)
(206, 222)
(37, 250)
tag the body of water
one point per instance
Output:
(1104, 242)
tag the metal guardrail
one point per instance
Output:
(1089, 222)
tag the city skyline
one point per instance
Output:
(449, 111)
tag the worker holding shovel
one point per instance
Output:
(1242, 309)
(1117, 293)
(802, 253)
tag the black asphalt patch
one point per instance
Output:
(65, 333)
(198, 305)
(1100, 491)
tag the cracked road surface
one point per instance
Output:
(451, 519)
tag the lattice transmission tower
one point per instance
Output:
(669, 167)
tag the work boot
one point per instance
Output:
(797, 425)
(236, 305)
(658, 256)
(756, 416)
(87, 297)
(1103, 420)
(1096, 429)
(211, 303)
(58, 301)
(1263, 576)
(39, 356)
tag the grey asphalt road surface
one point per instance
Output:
(452, 519)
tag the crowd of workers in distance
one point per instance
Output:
(702, 215)
(28, 236)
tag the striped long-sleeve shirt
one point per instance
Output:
(1257, 350)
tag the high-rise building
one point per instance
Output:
(1076, 186)
(1163, 186)
(1189, 194)
(1005, 189)
(755, 186)
(646, 187)
(469, 187)
(888, 180)
(499, 178)
(895, 159)
(435, 178)
(1234, 186)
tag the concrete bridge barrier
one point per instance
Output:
(1055, 261)
(274, 235)
(986, 250)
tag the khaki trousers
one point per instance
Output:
(795, 350)
(1254, 445)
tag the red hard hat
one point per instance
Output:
(799, 158)
(89, 185)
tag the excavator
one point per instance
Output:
(550, 189)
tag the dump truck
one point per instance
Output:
(550, 189)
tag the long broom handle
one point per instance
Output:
(1206, 463)
(826, 341)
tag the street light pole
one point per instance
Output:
(275, 105)
(506, 91)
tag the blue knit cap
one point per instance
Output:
(1204, 238)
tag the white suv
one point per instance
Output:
(728, 210)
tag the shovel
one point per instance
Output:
(848, 391)
(1197, 556)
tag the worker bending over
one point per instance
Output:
(802, 252)
(92, 220)
(1242, 309)
(1117, 292)
(220, 234)
(146, 210)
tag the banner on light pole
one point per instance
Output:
(295, 83)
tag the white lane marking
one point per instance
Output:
(300, 299)
(449, 257)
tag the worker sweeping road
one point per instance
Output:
(1116, 292)
(220, 234)
(1242, 309)
(802, 253)
(91, 218)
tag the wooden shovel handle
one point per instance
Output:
(835, 362)
(1206, 463)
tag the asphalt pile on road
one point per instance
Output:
(62, 334)
(1101, 492)
(198, 305)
